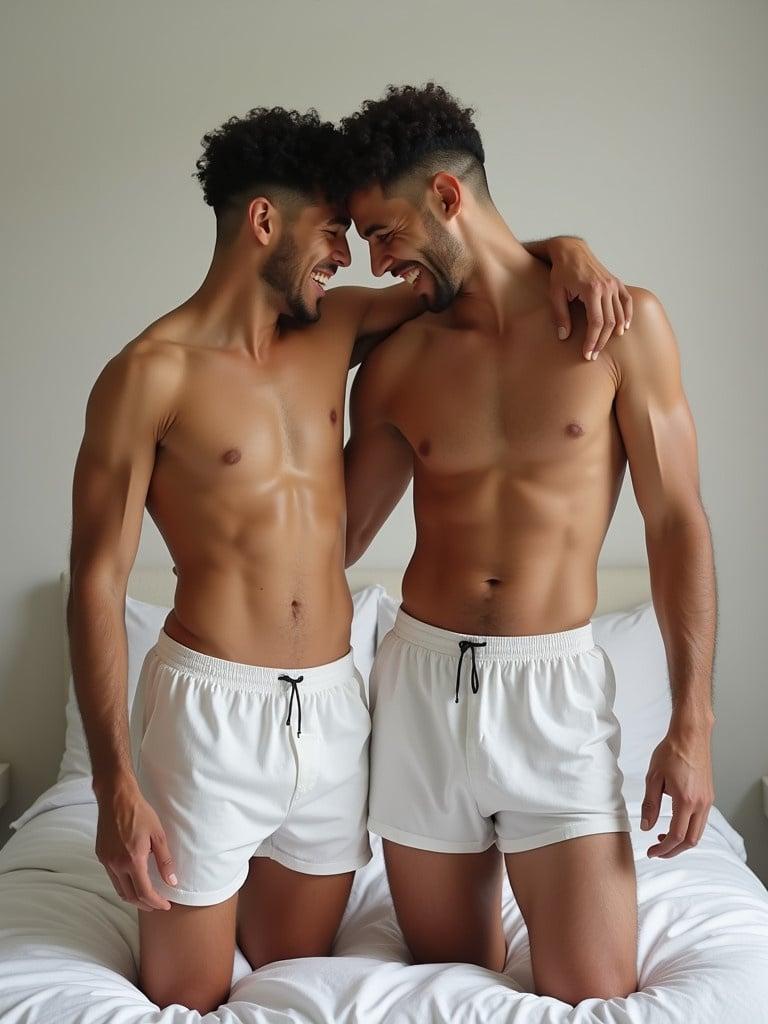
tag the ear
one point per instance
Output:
(263, 219)
(447, 189)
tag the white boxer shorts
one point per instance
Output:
(238, 761)
(525, 758)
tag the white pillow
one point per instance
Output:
(143, 623)
(633, 642)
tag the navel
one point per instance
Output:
(425, 446)
(574, 430)
(231, 456)
(334, 416)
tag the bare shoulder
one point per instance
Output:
(650, 345)
(388, 365)
(141, 379)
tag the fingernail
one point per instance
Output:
(562, 333)
(173, 879)
(644, 823)
(595, 355)
(626, 326)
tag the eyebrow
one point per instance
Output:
(343, 222)
(373, 228)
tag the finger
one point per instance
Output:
(616, 317)
(594, 309)
(695, 829)
(626, 301)
(115, 879)
(618, 312)
(130, 890)
(654, 787)
(562, 313)
(675, 838)
(145, 891)
(609, 323)
(163, 858)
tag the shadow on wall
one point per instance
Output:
(33, 696)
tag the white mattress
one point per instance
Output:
(69, 946)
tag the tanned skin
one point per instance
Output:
(225, 421)
(518, 448)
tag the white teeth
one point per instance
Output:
(411, 275)
(322, 279)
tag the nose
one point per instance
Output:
(341, 255)
(380, 261)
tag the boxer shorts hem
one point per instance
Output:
(305, 867)
(597, 826)
(428, 843)
(193, 898)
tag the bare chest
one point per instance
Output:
(531, 408)
(244, 429)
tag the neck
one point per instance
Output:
(504, 281)
(233, 308)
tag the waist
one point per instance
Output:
(241, 675)
(540, 645)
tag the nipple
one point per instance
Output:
(232, 455)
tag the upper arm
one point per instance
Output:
(654, 416)
(128, 410)
(378, 460)
(373, 313)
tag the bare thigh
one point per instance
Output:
(448, 905)
(579, 901)
(284, 914)
(187, 954)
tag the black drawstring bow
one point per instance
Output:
(294, 693)
(470, 645)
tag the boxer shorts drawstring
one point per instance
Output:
(294, 693)
(470, 645)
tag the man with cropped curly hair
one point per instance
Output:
(233, 804)
(494, 738)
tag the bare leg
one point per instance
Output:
(284, 914)
(579, 901)
(448, 904)
(187, 954)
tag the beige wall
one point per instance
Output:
(640, 126)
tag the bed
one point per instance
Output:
(69, 945)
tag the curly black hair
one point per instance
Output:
(409, 130)
(268, 146)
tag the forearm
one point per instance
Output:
(98, 649)
(545, 248)
(684, 597)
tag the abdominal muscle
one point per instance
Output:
(528, 569)
(263, 585)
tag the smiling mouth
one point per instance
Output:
(410, 274)
(321, 277)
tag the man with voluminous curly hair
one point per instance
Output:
(494, 737)
(233, 803)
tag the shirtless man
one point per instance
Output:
(235, 797)
(493, 726)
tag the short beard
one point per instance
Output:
(445, 257)
(282, 272)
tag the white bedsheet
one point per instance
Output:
(69, 946)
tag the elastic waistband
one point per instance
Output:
(241, 676)
(543, 645)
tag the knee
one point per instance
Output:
(200, 998)
(600, 984)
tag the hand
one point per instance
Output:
(578, 274)
(128, 831)
(681, 766)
